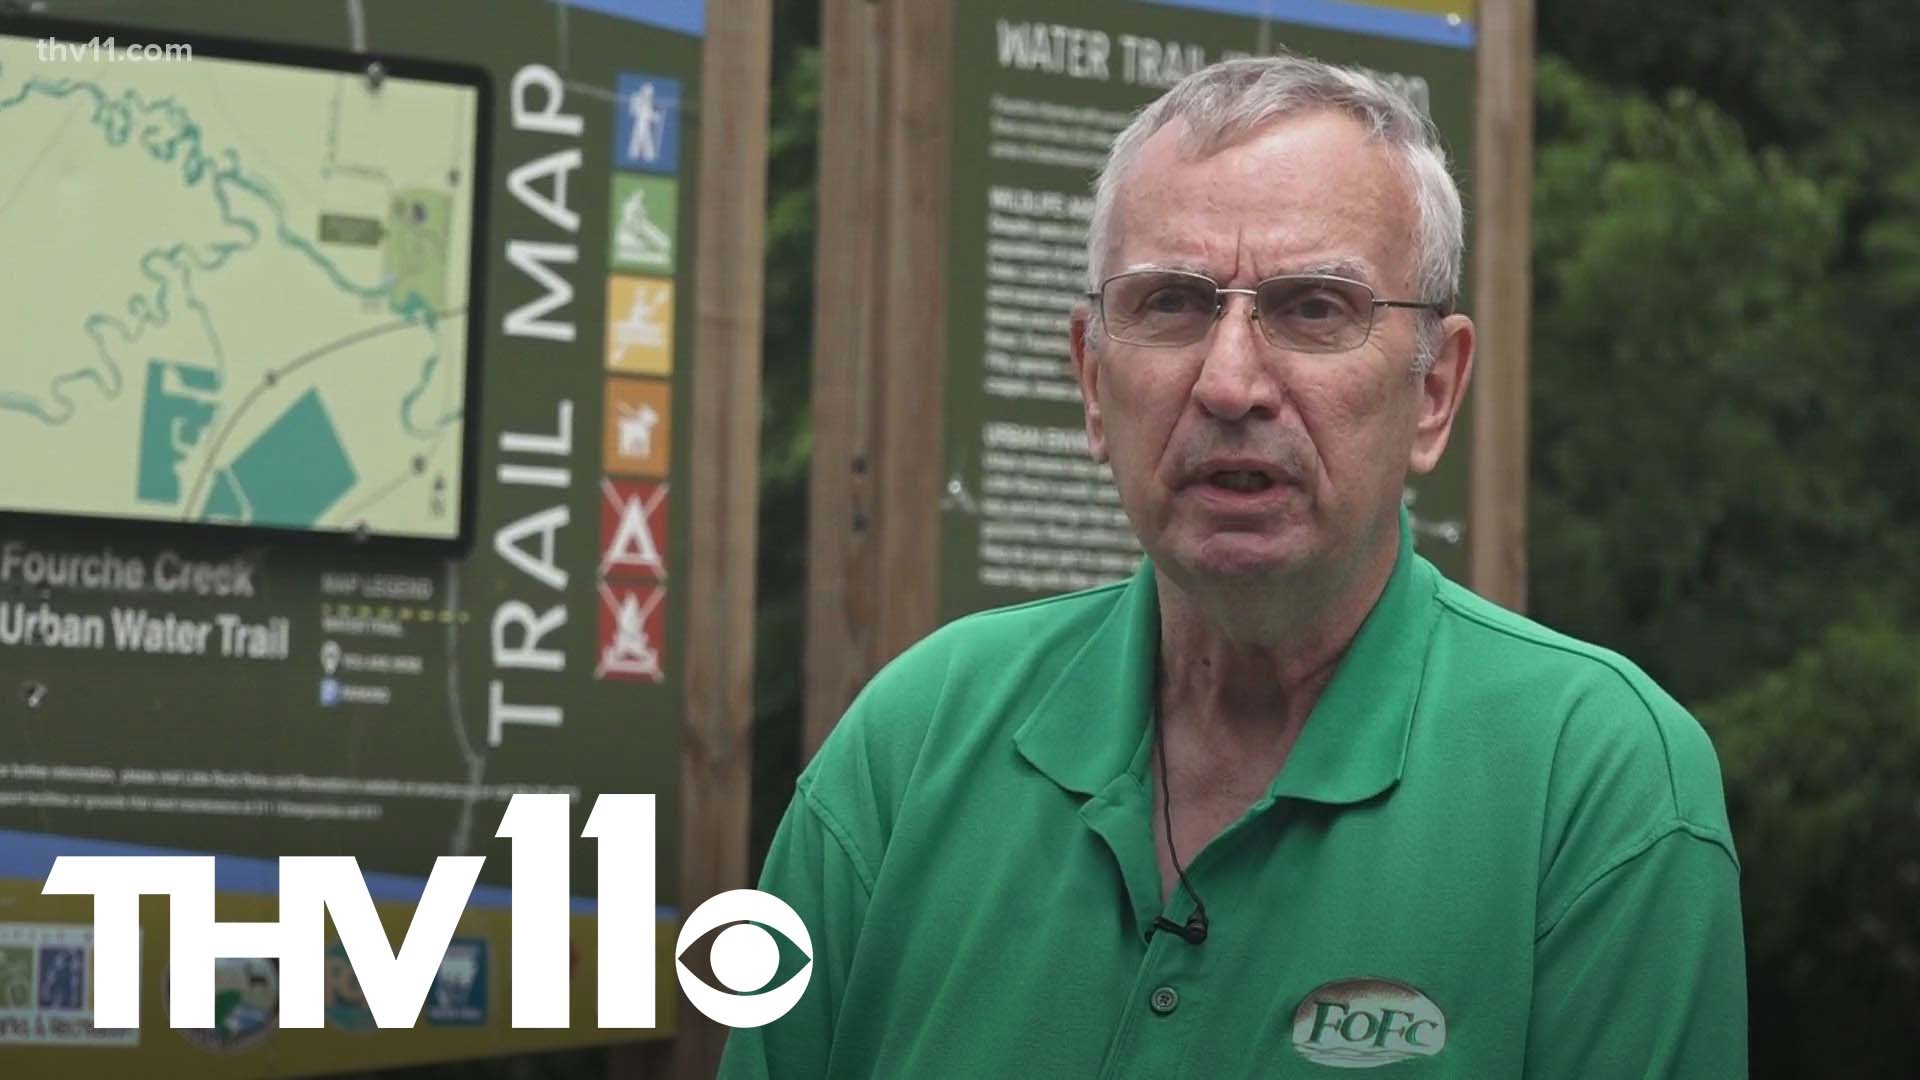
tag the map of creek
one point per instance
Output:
(239, 293)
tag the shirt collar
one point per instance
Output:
(1091, 723)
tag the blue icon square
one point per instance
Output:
(63, 978)
(458, 997)
(646, 129)
(329, 692)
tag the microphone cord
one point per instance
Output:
(1198, 920)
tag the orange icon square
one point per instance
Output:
(639, 432)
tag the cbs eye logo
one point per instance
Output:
(744, 958)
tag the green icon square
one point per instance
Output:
(16, 977)
(642, 233)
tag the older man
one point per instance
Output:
(1288, 800)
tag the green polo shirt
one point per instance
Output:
(1493, 852)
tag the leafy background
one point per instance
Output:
(1726, 454)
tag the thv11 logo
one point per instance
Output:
(745, 956)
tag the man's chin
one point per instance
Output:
(1245, 556)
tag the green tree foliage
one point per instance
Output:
(1820, 758)
(1694, 371)
(1725, 457)
(785, 432)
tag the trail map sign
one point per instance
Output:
(338, 474)
(239, 307)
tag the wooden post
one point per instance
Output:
(879, 343)
(1503, 283)
(716, 765)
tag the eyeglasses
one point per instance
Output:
(1314, 313)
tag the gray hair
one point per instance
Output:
(1231, 101)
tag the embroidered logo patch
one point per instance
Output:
(1361, 1023)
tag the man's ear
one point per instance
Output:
(1442, 389)
(1086, 371)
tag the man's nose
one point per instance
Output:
(1239, 374)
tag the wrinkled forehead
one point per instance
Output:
(1302, 192)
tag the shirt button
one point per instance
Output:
(1164, 1000)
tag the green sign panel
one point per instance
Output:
(344, 347)
(1040, 92)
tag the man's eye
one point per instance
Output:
(1315, 307)
(1176, 300)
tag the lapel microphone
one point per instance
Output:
(1195, 930)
